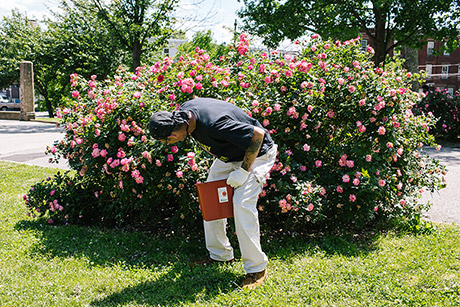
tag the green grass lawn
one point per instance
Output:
(46, 265)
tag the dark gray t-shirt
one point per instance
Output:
(223, 129)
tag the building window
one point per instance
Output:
(450, 91)
(429, 71)
(458, 72)
(166, 51)
(430, 48)
(363, 44)
(445, 72)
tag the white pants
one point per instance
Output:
(245, 214)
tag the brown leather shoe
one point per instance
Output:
(253, 280)
(209, 261)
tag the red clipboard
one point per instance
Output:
(216, 199)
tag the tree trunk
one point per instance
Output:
(411, 56)
(136, 53)
(380, 43)
(49, 107)
(42, 90)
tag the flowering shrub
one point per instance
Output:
(349, 144)
(446, 110)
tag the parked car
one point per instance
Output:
(5, 104)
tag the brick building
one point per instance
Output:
(442, 68)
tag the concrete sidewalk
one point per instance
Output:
(446, 203)
(25, 142)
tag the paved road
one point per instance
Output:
(25, 142)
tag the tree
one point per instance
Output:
(78, 43)
(73, 42)
(388, 23)
(23, 40)
(137, 25)
(203, 40)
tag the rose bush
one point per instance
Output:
(350, 147)
(446, 110)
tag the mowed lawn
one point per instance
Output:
(47, 265)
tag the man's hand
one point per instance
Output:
(237, 178)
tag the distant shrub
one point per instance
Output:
(446, 110)
(349, 144)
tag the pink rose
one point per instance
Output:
(352, 198)
(346, 178)
(121, 137)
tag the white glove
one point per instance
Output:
(237, 177)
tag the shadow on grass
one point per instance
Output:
(168, 257)
(348, 244)
(180, 285)
(172, 254)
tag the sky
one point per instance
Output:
(211, 15)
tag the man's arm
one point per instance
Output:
(240, 175)
(253, 149)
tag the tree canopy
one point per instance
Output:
(137, 25)
(388, 23)
(203, 40)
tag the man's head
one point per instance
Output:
(169, 127)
